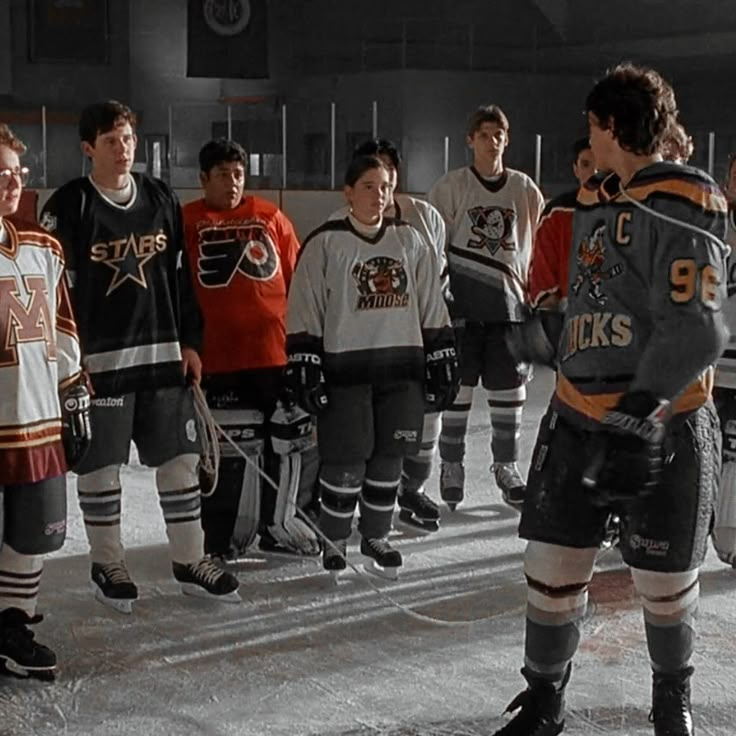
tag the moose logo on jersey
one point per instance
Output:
(590, 257)
(228, 249)
(127, 257)
(382, 283)
(494, 227)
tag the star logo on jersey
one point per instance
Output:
(494, 228)
(590, 257)
(381, 282)
(128, 266)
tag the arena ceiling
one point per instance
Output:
(684, 38)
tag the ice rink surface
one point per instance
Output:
(303, 657)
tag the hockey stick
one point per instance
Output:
(361, 574)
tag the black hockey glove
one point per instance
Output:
(76, 432)
(536, 339)
(443, 379)
(305, 379)
(628, 458)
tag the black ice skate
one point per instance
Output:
(510, 483)
(20, 655)
(204, 579)
(452, 484)
(541, 708)
(334, 557)
(418, 511)
(112, 586)
(671, 713)
(382, 559)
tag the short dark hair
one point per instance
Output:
(640, 103)
(102, 117)
(219, 151)
(379, 147)
(580, 145)
(486, 114)
(358, 166)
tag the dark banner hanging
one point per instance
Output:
(227, 38)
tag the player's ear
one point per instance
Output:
(203, 178)
(87, 149)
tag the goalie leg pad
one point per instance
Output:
(35, 516)
(231, 515)
(724, 521)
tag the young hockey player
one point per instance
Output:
(416, 508)
(548, 269)
(490, 212)
(242, 251)
(366, 327)
(44, 416)
(631, 427)
(141, 330)
(724, 525)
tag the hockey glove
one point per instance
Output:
(443, 379)
(628, 457)
(76, 432)
(536, 339)
(305, 379)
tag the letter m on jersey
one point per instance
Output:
(24, 317)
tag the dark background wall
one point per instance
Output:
(426, 66)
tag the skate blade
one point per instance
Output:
(197, 591)
(386, 573)
(418, 525)
(121, 605)
(13, 669)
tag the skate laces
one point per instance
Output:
(453, 474)
(671, 700)
(379, 546)
(116, 572)
(507, 475)
(206, 571)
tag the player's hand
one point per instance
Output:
(76, 431)
(305, 379)
(191, 364)
(628, 460)
(442, 379)
(537, 338)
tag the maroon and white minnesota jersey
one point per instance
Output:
(39, 353)
(369, 305)
(490, 230)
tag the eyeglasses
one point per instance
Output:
(20, 173)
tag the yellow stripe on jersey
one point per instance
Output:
(595, 406)
(696, 192)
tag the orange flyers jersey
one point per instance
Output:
(241, 261)
(551, 252)
(39, 353)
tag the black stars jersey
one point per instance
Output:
(131, 286)
(646, 289)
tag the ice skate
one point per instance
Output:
(334, 557)
(541, 708)
(381, 558)
(204, 579)
(418, 511)
(671, 713)
(510, 483)
(113, 587)
(452, 484)
(20, 655)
